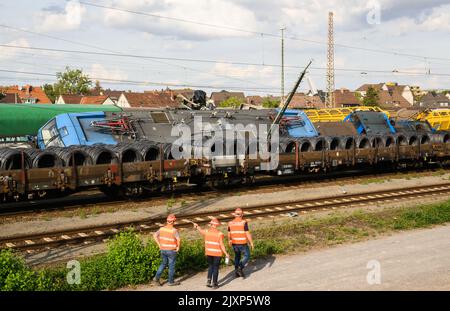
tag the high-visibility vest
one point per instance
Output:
(237, 231)
(167, 239)
(212, 243)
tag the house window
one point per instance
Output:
(29, 100)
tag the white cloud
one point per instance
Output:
(69, 19)
(99, 72)
(218, 12)
(438, 20)
(253, 72)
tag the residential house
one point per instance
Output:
(433, 100)
(345, 98)
(188, 93)
(153, 99)
(84, 100)
(303, 101)
(392, 100)
(112, 94)
(220, 97)
(10, 98)
(363, 88)
(25, 94)
(404, 90)
(255, 100)
(417, 91)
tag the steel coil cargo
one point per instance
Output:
(42, 159)
(127, 153)
(72, 155)
(13, 159)
(100, 154)
(149, 150)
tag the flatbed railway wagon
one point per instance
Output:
(130, 153)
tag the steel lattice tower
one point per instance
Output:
(330, 64)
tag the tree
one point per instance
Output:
(98, 88)
(359, 97)
(72, 81)
(270, 103)
(50, 91)
(232, 102)
(371, 98)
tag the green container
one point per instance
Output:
(26, 119)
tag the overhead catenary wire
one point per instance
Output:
(202, 60)
(255, 32)
(133, 82)
(115, 52)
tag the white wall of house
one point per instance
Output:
(59, 100)
(108, 101)
(123, 102)
(408, 95)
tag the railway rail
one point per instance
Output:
(92, 234)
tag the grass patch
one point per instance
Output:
(373, 181)
(129, 261)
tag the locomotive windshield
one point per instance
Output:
(50, 135)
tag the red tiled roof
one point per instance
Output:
(27, 92)
(93, 100)
(219, 97)
(11, 98)
(255, 100)
(71, 99)
(345, 97)
(150, 99)
(392, 100)
(300, 100)
(365, 87)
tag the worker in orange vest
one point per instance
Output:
(214, 249)
(239, 237)
(168, 240)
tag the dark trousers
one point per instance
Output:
(241, 249)
(213, 269)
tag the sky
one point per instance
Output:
(234, 44)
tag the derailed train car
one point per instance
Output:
(132, 152)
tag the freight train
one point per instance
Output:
(133, 152)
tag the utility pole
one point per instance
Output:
(282, 65)
(330, 103)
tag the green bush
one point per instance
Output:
(191, 257)
(12, 269)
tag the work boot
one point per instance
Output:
(174, 284)
(208, 283)
(157, 282)
(215, 286)
(236, 272)
(240, 272)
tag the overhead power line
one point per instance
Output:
(165, 84)
(209, 61)
(120, 53)
(259, 33)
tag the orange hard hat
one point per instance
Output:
(238, 212)
(214, 221)
(171, 218)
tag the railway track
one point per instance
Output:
(92, 234)
(97, 199)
